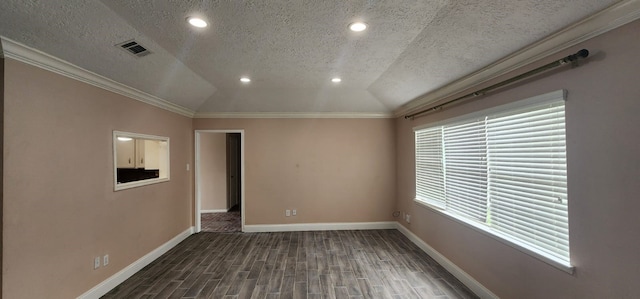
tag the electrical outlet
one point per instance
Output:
(105, 260)
(294, 212)
(408, 218)
(287, 213)
(96, 262)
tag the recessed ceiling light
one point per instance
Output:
(357, 26)
(245, 80)
(336, 80)
(197, 22)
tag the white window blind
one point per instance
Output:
(465, 151)
(503, 171)
(430, 178)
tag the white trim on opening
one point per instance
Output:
(198, 211)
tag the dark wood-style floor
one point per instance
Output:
(221, 222)
(325, 264)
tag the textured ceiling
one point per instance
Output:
(290, 49)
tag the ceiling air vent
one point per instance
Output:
(134, 48)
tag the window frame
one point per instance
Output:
(143, 182)
(504, 238)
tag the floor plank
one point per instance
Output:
(324, 264)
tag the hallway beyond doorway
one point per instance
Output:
(221, 222)
(225, 181)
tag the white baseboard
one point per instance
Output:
(214, 211)
(122, 275)
(465, 278)
(256, 228)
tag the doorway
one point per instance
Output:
(219, 184)
(233, 171)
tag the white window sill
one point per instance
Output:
(134, 184)
(501, 238)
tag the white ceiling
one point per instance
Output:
(290, 49)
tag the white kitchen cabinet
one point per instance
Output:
(131, 153)
(126, 150)
(140, 154)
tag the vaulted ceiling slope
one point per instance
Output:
(289, 49)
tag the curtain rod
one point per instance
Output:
(582, 54)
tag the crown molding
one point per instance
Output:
(17, 51)
(292, 115)
(606, 20)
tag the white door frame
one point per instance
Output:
(197, 170)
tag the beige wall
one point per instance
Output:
(330, 170)
(603, 181)
(60, 210)
(213, 171)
